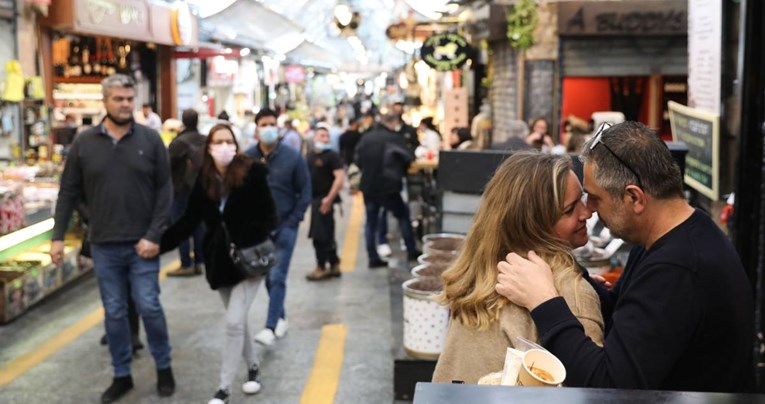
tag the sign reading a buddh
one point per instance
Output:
(445, 51)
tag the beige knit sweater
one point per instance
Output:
(469, 354)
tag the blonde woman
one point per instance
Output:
(533, 202)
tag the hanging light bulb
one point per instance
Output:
(344, 14)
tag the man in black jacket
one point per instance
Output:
(186, 152)
(383, 157)
(122, 171)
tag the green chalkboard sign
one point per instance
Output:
(700, 131)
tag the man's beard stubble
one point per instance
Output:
(119, 122)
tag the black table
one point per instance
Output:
(434, 393)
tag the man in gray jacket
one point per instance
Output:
(122, 171)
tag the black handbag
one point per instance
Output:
(251, 261)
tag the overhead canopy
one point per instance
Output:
(250, 21)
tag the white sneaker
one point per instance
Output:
(265, 337)
(252, 385)
(281, 328)
(384, 250)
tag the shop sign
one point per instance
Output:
(294, 74)
(124, 18)
(222, 72)
(181, 24)
(623, 18)
(700, 132)
(445, 51)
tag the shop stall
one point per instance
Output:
(83, 41)
(80, 43)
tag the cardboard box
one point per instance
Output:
(14, 300)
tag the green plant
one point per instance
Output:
(521, 22)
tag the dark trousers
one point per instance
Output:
(323, 234)
(184, 249)
(396, 206)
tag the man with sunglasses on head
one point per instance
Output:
(681, 316)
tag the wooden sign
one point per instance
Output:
(624, 18)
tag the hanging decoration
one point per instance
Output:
(521, 22)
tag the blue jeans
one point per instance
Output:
(115, 265)
(395, 205)
(276, 283)
(184, 249)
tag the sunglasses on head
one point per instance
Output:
(598, 139)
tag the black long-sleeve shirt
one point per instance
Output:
(682, 318)
(125, 184)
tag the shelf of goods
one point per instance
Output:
(27, 274)
(78, 98)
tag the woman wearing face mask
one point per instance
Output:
(231, 188)
(327, 176)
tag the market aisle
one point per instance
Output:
(355, 310)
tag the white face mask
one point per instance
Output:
(223, 153)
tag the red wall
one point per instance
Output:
(584, 95)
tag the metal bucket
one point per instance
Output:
(442, 243)
(425, 320)
(437, 259)
(430, 270)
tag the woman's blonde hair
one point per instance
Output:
(518, 212)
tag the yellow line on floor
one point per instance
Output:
(352, 235)
(17, 367)
(321, 386)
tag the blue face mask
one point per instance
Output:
(269, 135)
(323, 146)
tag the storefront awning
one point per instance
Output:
(310, 54)
(248, 21)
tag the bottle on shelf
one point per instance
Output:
(75, 67)
(104, 57)
(110, 57)
(97, 58)
(87, 68)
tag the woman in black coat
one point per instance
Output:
(231, 188)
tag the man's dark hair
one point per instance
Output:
(629, 149)
(190, 118)
(145, 105)
(264, 113)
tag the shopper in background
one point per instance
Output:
(122, 170)
(383, 157)
(409, 132)
(431, 138)
(681, 316)
(231, 190)
(533, 202)
(348, 141)
(149, 118)
(327, 177)
(186, 157)
(538, 136)
(460, 139)
(291, 135)
(290, 185)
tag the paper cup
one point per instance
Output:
(541, 369)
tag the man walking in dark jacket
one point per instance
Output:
(122, 170)
(186, 152)
(383, 157)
